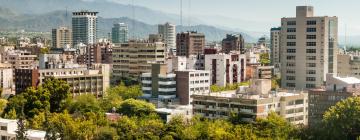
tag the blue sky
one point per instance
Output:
(266, 13)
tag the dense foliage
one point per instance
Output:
(216, 88)
(83, 118)
(265, 59)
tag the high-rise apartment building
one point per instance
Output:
(233, 43)
(135, 57)
(168, 31)
(119, 33)
(275, 48)
(61, 36)
(84, 26)
(190, 43)
(308, 46)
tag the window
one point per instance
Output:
(291, 43)
(310, 36)
(291, 37)
(311, 22)
(310, 79)
(291, 23)
(290, 64)
(310, 57)
(290, 77)
(4, 128)
(311, 72)
(290, 71)
(291, 50)
(311, 64)
(310, 29)
(290, 84)
(310, 85)
(291, 30)
(310, 43)
(290, 57)
(310, 50)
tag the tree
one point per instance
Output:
(85, 103)
(21, 129)
(131, 92)
(106, 133)
(59, 91)
(132, 107)
(273, 127)
(3, 103)
(264, 59)
(11, 114)
(342, 121)
(110, 101)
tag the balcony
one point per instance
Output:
(167, 89)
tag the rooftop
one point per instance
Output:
(349, 80)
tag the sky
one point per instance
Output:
(265, 13)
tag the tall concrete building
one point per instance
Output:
(190, 43)
(168, 31)
(84, 26)
(61, 36)
(308, 49)
(119, 33)
(233, 43)
(275, 49)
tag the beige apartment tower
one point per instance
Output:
(308, 49)
(61, 36)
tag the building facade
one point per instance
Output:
(233, 43)
(61, 36)
(190, 82)
(275, 49)
(190, 43)
(348, 65)
(84, 27)
(119, 33)
(81, 80)
(251, 104)
(308, 46)
(225, 68)
(336, 90)
(9, 128)
(135, 57)
(168, 31)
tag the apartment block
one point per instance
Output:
(348, 65)
(190, 82)
(84, 27)
(135, 57)
(61, 37)
(95, 53)
(253, 102)
(159, 86)
(275, 49)
(190, 43)
(336, 89)
(308, 46)
(195, 62)
(19, 59)
(168, 31)
(233, 42)
(225, 68)
(6, 78)
(81, 80)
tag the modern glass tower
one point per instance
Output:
(84, 26)
(119, 33)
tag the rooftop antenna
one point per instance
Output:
(133, 19)
(345, 40)
(181, 14)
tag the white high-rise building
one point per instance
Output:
(168, 31)
(84, 26)
(308, 49)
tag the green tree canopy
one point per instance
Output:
(125, 92)
(132, 107)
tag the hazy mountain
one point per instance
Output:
(45, 22)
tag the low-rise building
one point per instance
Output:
(337, 89)
(19, 59)
(253, 102)
(9, 128)
(81, 80)
(348, 65)
(225, 68)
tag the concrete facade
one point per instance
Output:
(190, 43)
